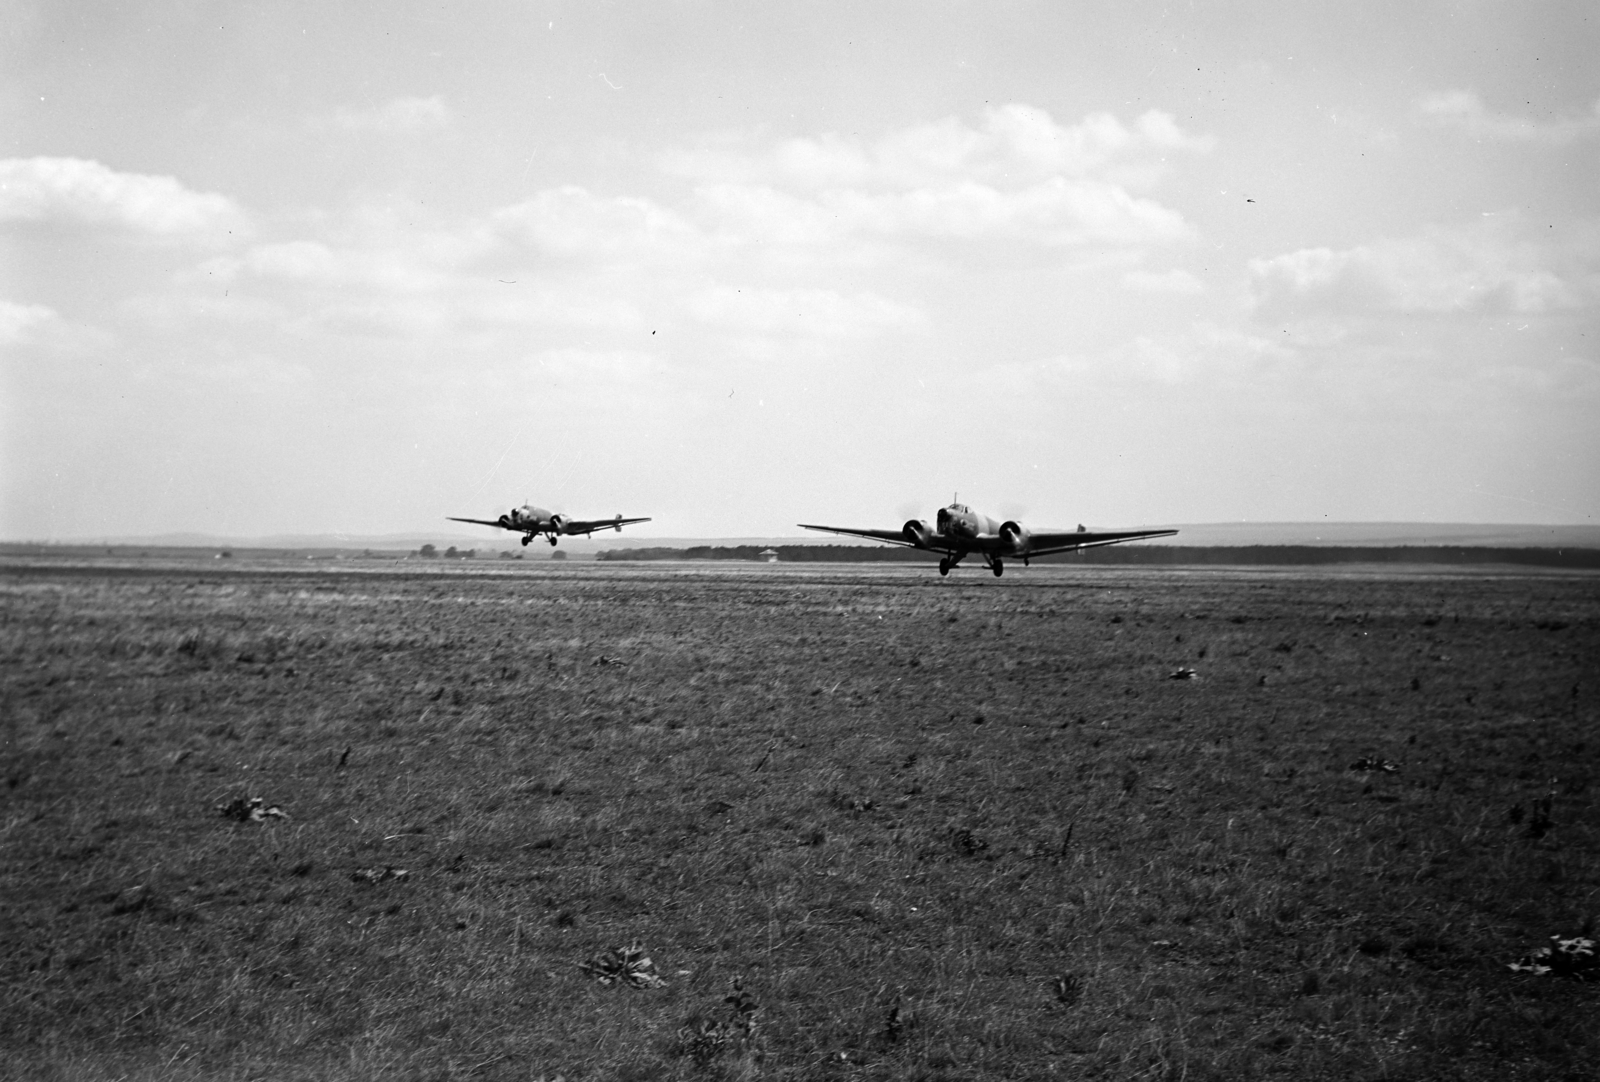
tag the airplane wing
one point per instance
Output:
(477, 521)
(1043, 544)
(589, 526)
(893, 537)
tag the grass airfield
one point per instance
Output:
(959, 828)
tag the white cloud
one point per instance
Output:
(21, 322)
(394, 117)
(474, 311)
(1176, 280)
(41, 325)
(1056, 211)
(1464, 110)
(770, 263)
(312, 263)
(569, 221)
(1015, 176)
(1011, 145)
(170, 313)
(1204, 352)
(549, 305)
(569, 257)
(73, 189)
(759, 214)
(372, 274)
(1491, 268)
(819, 313)
(605, 366)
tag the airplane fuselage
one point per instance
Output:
(530, 519)
(959, 530)
(960, 523)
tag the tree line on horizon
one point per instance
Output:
(1147, 555)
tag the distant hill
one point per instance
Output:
(1144, 555)
(1382, 534)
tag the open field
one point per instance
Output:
(938, 828)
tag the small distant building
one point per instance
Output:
(770, 555)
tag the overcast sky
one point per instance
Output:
(357, 266)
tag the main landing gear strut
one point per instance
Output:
(996, 564)
(948, 564)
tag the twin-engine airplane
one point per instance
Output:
(532, 521)
(961, 530)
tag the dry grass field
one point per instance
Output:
(934, 829)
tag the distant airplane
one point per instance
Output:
(532, 521)
(961, 531)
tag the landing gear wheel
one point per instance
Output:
(552, 541)
(525, 540)
(944, 567)
(999, 568)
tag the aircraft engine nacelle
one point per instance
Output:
(506, 523)
(1015, 538)
(557, 522)
(916, 531)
